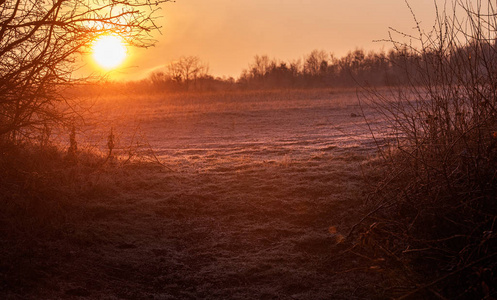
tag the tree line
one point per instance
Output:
(316, 69)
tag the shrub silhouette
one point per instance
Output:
(435, 215)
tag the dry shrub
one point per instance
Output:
(433, 217)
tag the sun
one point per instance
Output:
(109, 51)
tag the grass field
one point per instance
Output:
(258, 192)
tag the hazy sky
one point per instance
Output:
(227, 34)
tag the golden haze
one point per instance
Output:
(228, 34)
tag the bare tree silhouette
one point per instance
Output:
(39, 44)
(316, 63)
(187, 69)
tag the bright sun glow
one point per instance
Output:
(109, 51)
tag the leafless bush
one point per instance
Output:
(435, 215)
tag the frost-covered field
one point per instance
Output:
(226, 131)
(263, 189)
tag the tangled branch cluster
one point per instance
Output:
(39, 44)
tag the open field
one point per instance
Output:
(263, 187)
(217, 130)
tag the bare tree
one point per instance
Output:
(188, 69)
(39, 44)
(261, 66)
(316, 63)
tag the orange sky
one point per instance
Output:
(227, 34)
